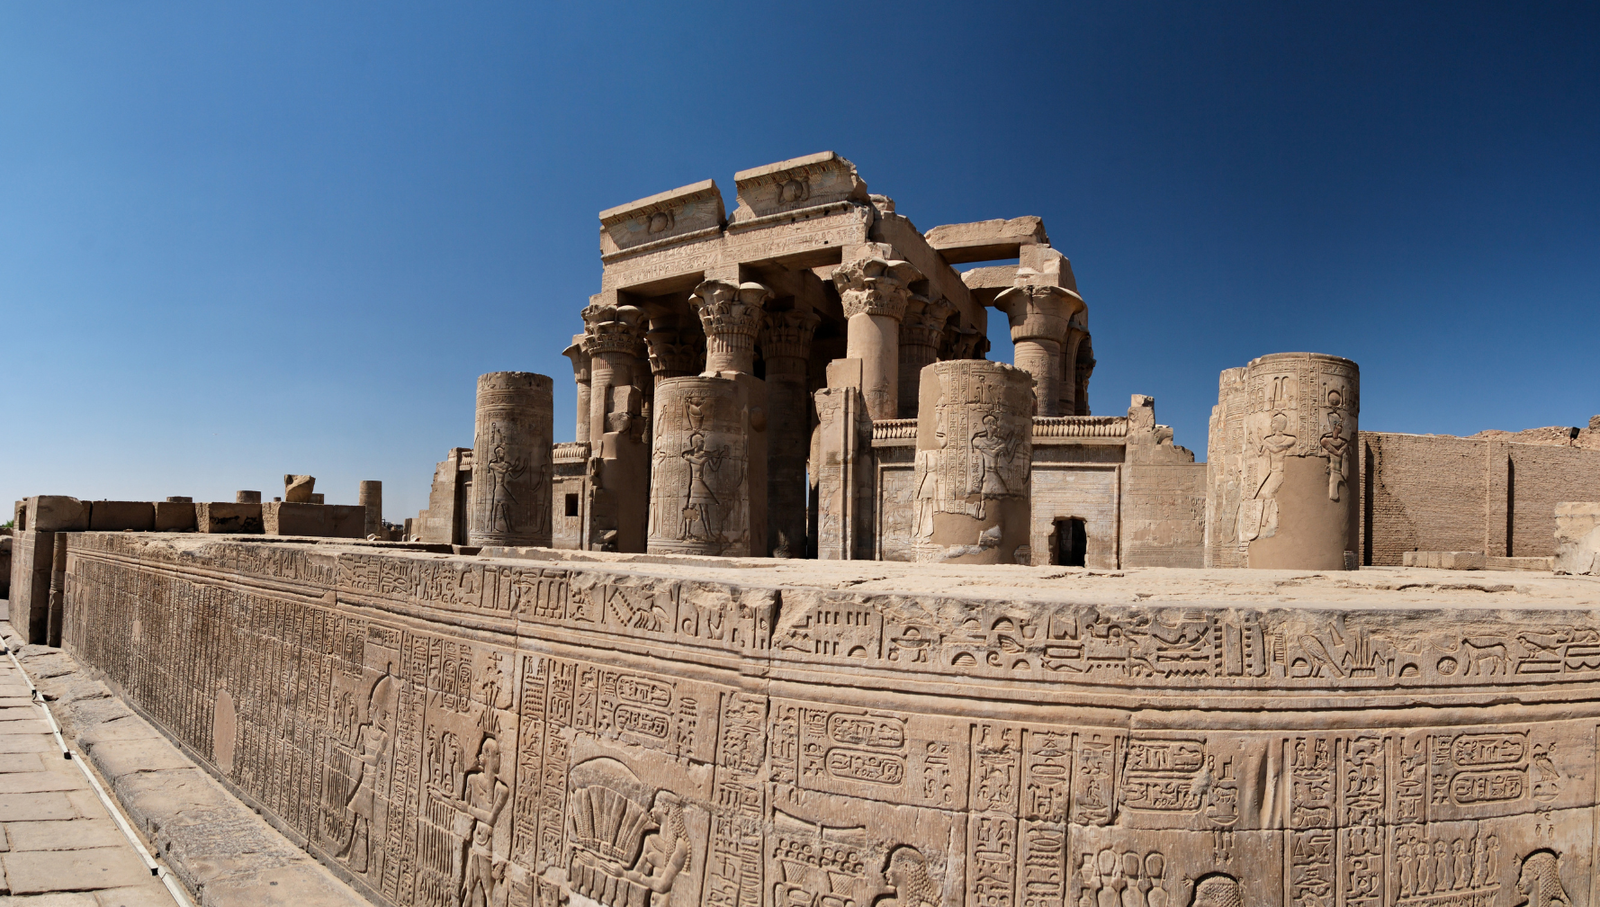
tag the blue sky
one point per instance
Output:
(239, 240)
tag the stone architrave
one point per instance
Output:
(971, 485)
(708, 469)
(614, 339)
(371, 499)
(1041, 318)
(875, 291)
(786, 350)
(511, 465)
(731, 315)
(921, 333)
(580, 377)
(1284, 495)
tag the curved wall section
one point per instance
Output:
(453, 730)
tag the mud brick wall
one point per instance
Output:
(450, 730)
(1440, 493)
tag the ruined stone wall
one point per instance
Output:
(1078, 490)
(1163, 515)
(449, 730)
(30, 583)
(1443, 493)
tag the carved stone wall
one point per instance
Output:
(511, 468)
(973, 465)
(451, 730)
(1284, 491)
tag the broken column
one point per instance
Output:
(619, 461)
(708, 482)
(511, 467)
(786, 350)
(371, 498)
(1041, 318)
(1283, 491)
(874, 288)
(972, 491)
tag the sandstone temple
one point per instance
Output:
(822, 608)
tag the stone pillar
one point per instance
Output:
(1083, 367)
(1285, 485)
(511, 466)
(371, 498)
(708, 480)
(247, 497)
(972, 499)
(874, 291)
(786, 350)
(613, 338)
(1067, 392)
(675, 351)
(580, 376)
(731, 315)
(921, 332)
(1040, 318)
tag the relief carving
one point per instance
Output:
(1540, 881)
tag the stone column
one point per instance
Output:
(874, 292)
(675, 350)
(972, 493)
(704, 497)
(371, 498)
(1040, 318)
(731, 315)
(921, 332)
(580, 376)
(511, 466)
(1083, 367)
(1067, 391)
(786, 349)
(613, 337)
(1285, 487)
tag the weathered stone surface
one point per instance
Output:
(247, 497)
(174, 516)
(56, 513)
(223, 517)
(987, 240)
(512, 472)
(299, 489)
(371, 501)
(318, 520)
(1578, 538)
(1283, 465)
(708, 481)
(955, 745)
(118, 516)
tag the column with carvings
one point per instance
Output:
(1077, 364)
(786, 350)
(1041, 317)
(511, 466)
(921, 333)
(875, 291)
(708, 488)
(676, 349)
(972, 481)
(580, 377)
(619, 460)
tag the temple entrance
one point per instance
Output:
(1072, 543)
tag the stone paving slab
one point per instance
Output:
(89, 868)
(33, 807)
(64, 834)
(21, 762)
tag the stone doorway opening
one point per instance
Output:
(1072, 543)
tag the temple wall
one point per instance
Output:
(1442, 493)
(442, 728)
(1085, 491)
(1163, 515)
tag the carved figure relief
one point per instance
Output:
(1217, 890)
(503, 469)
(626, 851)
(1540, 881)
(700, 521)
(910, 884)
(1337, 446)
(374, 739)
(486, 796)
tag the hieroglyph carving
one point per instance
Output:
(512, 469)
(699, 463)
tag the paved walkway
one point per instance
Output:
(58, 845)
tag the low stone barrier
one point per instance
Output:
(462, 730)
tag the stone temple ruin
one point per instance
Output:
(582, 680)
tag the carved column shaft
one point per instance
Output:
(731, 315)
(921, 333)
(1041, 318)
(875, 292)
(511, 466)
(613, 337)
(786, 349)
(580, 377)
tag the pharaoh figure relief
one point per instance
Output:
(373, 745)
(502, 470)
(485, 798)
(698, 498)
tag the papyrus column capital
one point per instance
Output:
(731, 315)
(875, 286)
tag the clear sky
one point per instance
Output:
(239, 240)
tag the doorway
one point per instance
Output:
(1072, 543)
